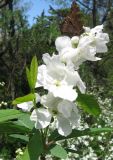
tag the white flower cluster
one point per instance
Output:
(2, 84)
(3, 103)
(97, 146)
(105, 105)
(107, 111)
(19, 151)
(59, 76)
(90, 147)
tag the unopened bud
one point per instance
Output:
(74, 41)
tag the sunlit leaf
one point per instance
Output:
(26, 98)
(8, 114)
(59, 152)
(33, 71)
(24, 120)
(28, 77)
(89, 104)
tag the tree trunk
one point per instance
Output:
(11, 52)
(12, 22)
(94, 13)
(109, 4)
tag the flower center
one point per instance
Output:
(54, 112)
(57, 83)
(74, 45)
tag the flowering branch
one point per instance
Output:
(59, 76)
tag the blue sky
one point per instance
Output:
(36, 8)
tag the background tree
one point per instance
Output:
(12, 27)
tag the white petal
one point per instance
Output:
(97, 29)
(68, 53)
(63, 126)
(62, 42)
(65, 107)
(42, 118)
(80, 84)
(101, 47)
(105, 36)
(65, 92)
(50, 59)
(46, 58)
(75, 117)
(26, 106)
(87, 29)
(90, 53)
(85, 41)
(97, 59)
(50, 101)
(42, 72)
(102, 37)
(38, 98)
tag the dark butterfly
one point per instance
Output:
(72, 24)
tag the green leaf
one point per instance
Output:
(9, 128)
(20, 137)
(28, 77)
(59, 152)
(77, 133)
(34, 148)
(24, 120)
(8, 114)
(26, 98)
(25, 156)
(33, 71)
(88, 104)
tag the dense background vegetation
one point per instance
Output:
(19, 42)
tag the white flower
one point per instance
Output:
(85, 51)
(62, 42)
(26, 106)
(99, 38)
(64, 111)
(66, 42)
(59, 78)
(79, 49)
(42, 118)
